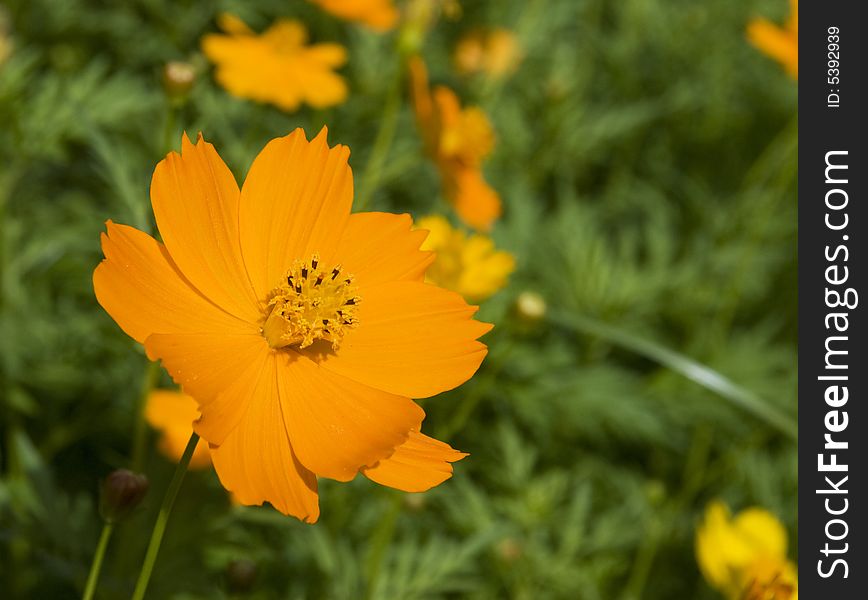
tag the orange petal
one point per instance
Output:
(144, 292)
(476, 203)
(416, 466)
(256, 462)
(776, 42)
(195, 201)
(413, 339)
(220, 371)
(296, 201)
(381, 247)
(336, 425)
(173, 413)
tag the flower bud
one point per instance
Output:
(178, 79)
(530, 307)
(240, 575)
(122, 492)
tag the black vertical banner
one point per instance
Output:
(833, 270)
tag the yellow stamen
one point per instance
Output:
(312, 303)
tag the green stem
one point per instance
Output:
(689, 368)
(382, 143)
(152, 374)
(95, 567)
(163, 519)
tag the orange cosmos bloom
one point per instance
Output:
(379, 15)
(779, 43)
(496, 53)
(458, 139)
(172, 413)
(277, 67)
(302, 331)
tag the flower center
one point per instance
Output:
(312, 303)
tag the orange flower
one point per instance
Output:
(379, 15)
(458, 139)
(779, 43)
(495, 52)
(172, 413)
(302, 331)
(276, 67)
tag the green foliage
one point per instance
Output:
(646, 158)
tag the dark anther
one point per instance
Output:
(325, 322)
(304, 272)
(340, 313)
(350, 301)
(319, 279)
(348, 281)
(289, 280)
(298, 288)
(313, 263)
(348, 321)
(335, 272)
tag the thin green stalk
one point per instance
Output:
(382, 143)
(689, 368)
(152, 374)
(163, 519)
(96, 566)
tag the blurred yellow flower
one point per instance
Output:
(379, 15)
(277, 67)
(302, 330)
(458, 139)
(172, 414)
(779, 43)
(469, 265)
(495, 53)
(745, 557)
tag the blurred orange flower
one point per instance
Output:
(379, 15)
(495, 53)
(779, 43)
(302, 331)
(277, 67)
(172, 414)
(458, 139)
(469, 265)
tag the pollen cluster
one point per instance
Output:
(311, 303)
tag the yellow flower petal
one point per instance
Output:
(417, 465)
(295, 201)
(140, 286)
(256, 461)
(414, 340)
(382, 247)
(221, 371)
(727, 547)
(195, 200)
(337, 425)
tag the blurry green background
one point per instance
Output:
(646, 160)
